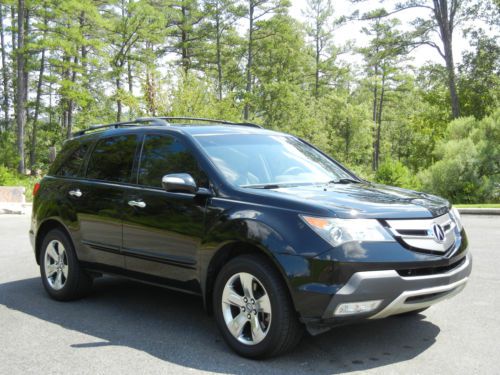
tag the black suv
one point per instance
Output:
(273, 234)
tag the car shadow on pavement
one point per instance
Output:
(174, 327)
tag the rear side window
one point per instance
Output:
(70, 161)
(112, 158)
(163, 154)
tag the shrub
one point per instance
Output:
(396, 173)
(468, 166)
(6, 176)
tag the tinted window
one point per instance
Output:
(161, 155)
(112, 158)
(70, 161)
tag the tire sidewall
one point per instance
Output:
(251, 266)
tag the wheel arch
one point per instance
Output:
(45, 228)
(230, 251)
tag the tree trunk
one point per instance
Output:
(118, 100)
(21, 84)
(129, 77)
(218, 47)
(184, 40)
(5, 73)
(13, 33)
(130, 82)
(50, 96)
(37, 111)
(251, 9)
(27, 32)
(374, 118)
(445, 19)
(379, 124)
(316, 73)
(71, 102)
(450, 68)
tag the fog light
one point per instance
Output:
(352, 308)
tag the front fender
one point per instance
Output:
(282, 237)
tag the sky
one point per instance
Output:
(352, 30)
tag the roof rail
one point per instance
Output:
(225, 122)
(136, 122)
(158, 121)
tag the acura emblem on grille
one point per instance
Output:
(438, 232)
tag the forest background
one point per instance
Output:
(429, 123)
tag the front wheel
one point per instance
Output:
(253, 308)
(62, 276)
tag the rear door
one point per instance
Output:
(162, 230)
(99, 199)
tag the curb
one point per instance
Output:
(479, 211)
(15, 208)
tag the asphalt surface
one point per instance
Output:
(126, 327)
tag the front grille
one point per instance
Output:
(418, 234)
(430, 270)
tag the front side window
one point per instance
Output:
(255, 160)
(113, 158)
(164, 154)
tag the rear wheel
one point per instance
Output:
(62, 276)
(253, 308)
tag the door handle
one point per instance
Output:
(75, 193)
(139, 204)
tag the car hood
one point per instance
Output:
(369, 200)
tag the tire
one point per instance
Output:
(62, 276)
(263, 329)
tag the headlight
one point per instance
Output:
(455, 216)
(339, 231)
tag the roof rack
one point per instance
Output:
(225, 122)
(158, 121)
(136, 122)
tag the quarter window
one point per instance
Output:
(163, 154)
(112, 158)
(70, 162)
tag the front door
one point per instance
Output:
(162, 230)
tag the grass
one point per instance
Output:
(478, 205)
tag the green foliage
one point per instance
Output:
(8, 154)
(108, 60)
(396, 173)
(468, 162)
(197, 98)
(479, 80)
(6, 176)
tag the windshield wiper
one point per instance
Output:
(345, 181)
(268, 186)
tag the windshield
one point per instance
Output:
(260, 160)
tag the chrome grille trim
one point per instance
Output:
(425, 241)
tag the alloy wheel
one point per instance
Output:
(56, 265)
(246, 308)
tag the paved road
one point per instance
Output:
(125, 328)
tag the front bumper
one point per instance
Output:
(399, 294)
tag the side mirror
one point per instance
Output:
(179, 182)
